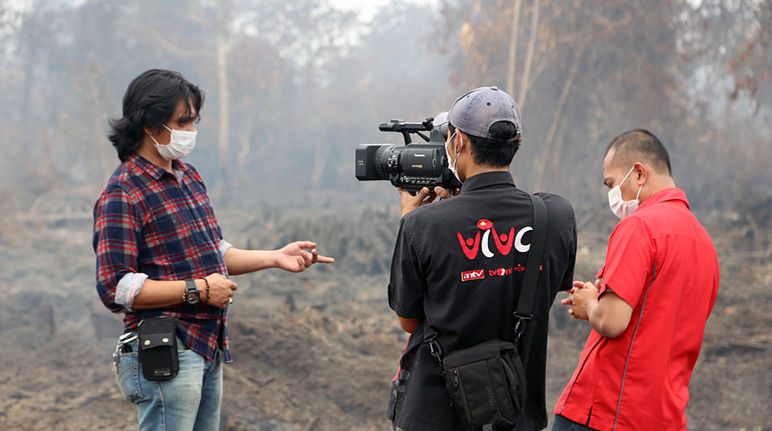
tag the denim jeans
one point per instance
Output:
(189, 402)
(563, 424)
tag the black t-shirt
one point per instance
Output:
(459, 263)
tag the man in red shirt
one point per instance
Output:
(650, 303)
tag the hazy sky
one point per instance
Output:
(368, 9)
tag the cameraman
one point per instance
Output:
(467, 289)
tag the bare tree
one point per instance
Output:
(223, 49)
(547, 151)
(513, 47)
(526, 83)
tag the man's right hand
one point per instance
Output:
(221, 290)
(444, 193)
(410, 201)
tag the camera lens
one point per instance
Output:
(382, 161)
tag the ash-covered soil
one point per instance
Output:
(317, 350)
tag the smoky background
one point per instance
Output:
(291, 89)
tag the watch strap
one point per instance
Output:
(190, 286)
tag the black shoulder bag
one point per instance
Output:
(486, 382)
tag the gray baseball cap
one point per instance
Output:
(475, 111)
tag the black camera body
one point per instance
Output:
(411, 166)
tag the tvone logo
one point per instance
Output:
(503, 242)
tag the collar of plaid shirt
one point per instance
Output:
(150, 221)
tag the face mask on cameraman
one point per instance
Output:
(452, 164)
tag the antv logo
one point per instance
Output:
(504, 242)
(473, 275)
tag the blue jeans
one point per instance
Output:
(190, 401)
(564, 424)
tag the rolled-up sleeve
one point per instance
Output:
(117, 230)
(128, 288)
(223, 247)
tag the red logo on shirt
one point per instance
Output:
(504, 242)
(472, 275)
(503, 272)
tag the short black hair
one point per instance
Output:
(498, 150)
(150, 100)
(641, 145)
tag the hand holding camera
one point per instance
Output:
(410, 201)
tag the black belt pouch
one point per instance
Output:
(158, 348)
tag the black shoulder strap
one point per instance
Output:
(532, 267)
(530, 279)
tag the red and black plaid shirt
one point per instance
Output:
(148, 220)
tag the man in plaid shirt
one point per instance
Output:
(160, 253)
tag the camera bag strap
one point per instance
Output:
(524, 311)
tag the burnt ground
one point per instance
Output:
(317, 350)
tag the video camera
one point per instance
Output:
(411, 166)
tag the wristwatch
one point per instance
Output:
(191, 295)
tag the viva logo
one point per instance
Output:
(504, 242)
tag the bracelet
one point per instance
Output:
(207, 289)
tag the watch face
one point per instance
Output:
(191, 298)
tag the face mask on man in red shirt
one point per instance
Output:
(619, 207)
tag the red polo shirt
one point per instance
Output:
(662, 262)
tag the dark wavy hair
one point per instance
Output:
(150, 101)
(498, 150)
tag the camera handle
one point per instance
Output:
(406, 128)
(406, 136)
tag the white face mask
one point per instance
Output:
(619, 207)
(452, 166)
(180, 144)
